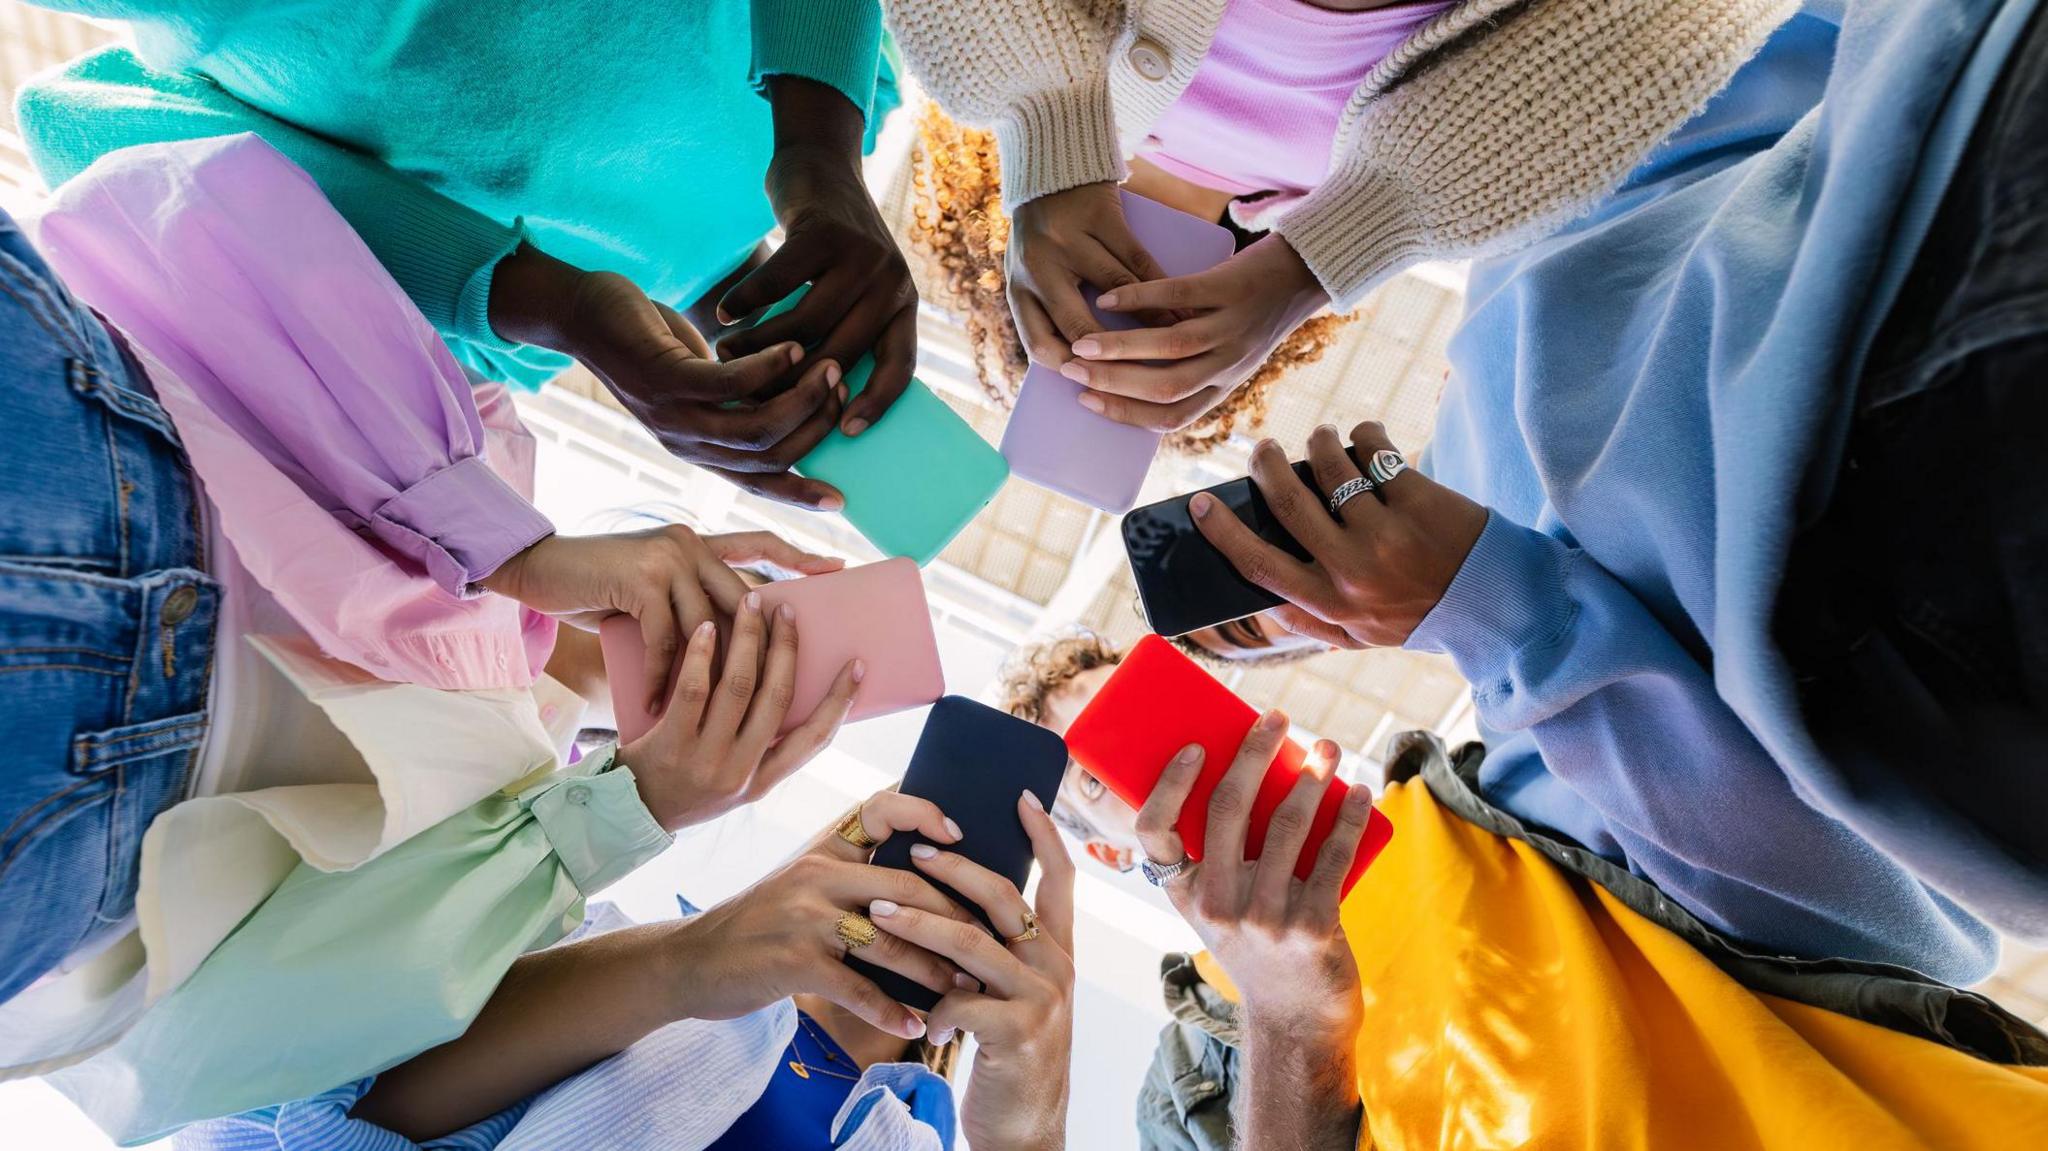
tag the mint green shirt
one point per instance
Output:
(339, 975)
(627, 137)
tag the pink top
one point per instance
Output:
(337, 441)
(1261, 114)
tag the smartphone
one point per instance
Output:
(1184, 583)
(1159, 701)
(1054, 442)
(973, 762)
(913, 479)
(876, 613)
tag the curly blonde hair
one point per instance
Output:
(1035, 673)
(958, 226)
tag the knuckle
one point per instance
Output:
(739, 684)
(1287, 823)
(965, 937)
(1229, 796)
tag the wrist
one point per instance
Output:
(533, 299)
(815, 122)
(678, 947)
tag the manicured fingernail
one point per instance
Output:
(704, 630)
(831, 503)
(882, 909)
(1031, 800)
(1087, 346)
(724, 317)
(860, 670)
(1093, 403)
(923, 851)
(1074, 371)
(953, 829)
(832, 376)
(1106, 300)
(1189, 755)
(854, 427)
(964, 980)
(795, 352)
(1202, 504)
(753, 601)
(787, 613)
(941, 1037)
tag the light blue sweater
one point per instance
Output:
(1652, 402)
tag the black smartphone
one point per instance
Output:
(1184, 583)
(973, 762)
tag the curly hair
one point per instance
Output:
(1035, 673)
(958, 226)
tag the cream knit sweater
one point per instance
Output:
(1496, 123)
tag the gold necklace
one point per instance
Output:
(803, 1069)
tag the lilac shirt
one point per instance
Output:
(331, 428)
(1261, 113)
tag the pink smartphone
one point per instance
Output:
(1054, 442)
(876, 613)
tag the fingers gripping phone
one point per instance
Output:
(876, 613)
(1054, 442)
(1159, 701)
(972, 762)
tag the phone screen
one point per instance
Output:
(1184, 583)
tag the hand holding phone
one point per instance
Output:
(876, 613)
(1159, 701)
(972, 762)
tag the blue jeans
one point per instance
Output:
(106, 619)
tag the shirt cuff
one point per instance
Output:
(1053, 141)
(1354, 235)
(1509, 596)
(835, 42)
(463, 522)
(594, 819)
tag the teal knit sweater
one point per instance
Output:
(629, 137)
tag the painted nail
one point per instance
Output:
(942, 1036)
(1076, 372)
(855, 427)
(1189, 755)
(953, 829)
(1093, 403)
(787, 613)
(1087, 346)
(923, 851)
(962, 979)
(1031, 800)
(753, 601)
(860, 670)
(1106, 300)
(1202, 504)
(882, 909)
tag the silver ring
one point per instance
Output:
(1346, 492)
(1385, 465)
(1157, 874)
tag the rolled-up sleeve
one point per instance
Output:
(309, 350)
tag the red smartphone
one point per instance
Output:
(876, 612)
(1159, 701)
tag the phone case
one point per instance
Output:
(876, 612)
(913, 479)
(1184, 583)
(1054, 442)
(972, 761)
(1159, 701)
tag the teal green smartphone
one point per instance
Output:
(913, 479)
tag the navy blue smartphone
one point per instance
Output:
(1184, 583)
(973, 762)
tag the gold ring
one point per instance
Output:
(855, 930)
(1030, 931)
(853, 831)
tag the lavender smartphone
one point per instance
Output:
(876, 613)
(1053, 441)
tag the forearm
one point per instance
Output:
(1297, 1091)
(556, 1012)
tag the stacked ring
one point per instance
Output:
(1030, 931)
(855, 930)
(1157, 874)
(1346, 492)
